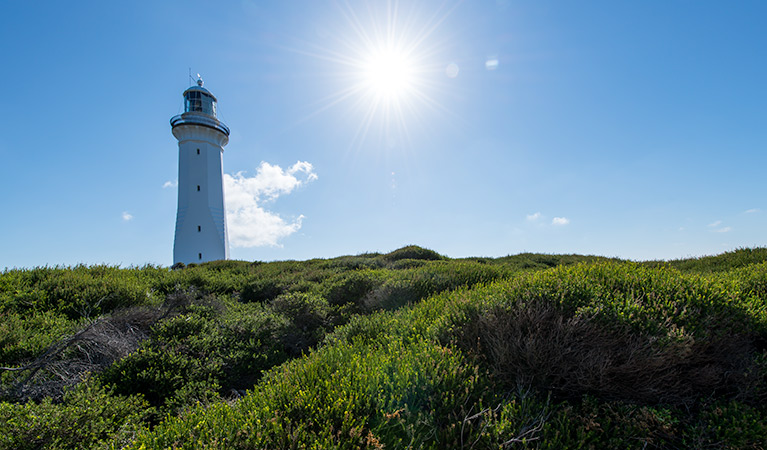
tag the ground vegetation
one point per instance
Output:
(409, 349)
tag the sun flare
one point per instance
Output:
(388, 66)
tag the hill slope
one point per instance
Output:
(406, 349)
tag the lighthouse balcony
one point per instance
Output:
(201, 119)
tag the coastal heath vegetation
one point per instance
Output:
(408, 349)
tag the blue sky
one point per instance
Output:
(616, 128)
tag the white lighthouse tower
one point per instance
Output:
(201, 219)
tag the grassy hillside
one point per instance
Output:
(408, 349)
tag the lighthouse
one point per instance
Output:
(201, 233)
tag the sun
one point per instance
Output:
(386, 65)
(388, 74)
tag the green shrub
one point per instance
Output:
(352, 286)
(89, 416)
(25, 336)
(309, 317)
(730, 425)
(409, 286)
(225, 349)
(742, 257)
(413, 252)
(79, 291)
(364, 261)
(252, 342)
(538, 261)
(262, 290)
(594, 424)
(360, 397)
(307, 311)
(621, 332)
(158, 374)
(407, 263)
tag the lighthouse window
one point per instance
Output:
(193, 101)
(199, 256)
(199, 228)
(198, 151)
(198, 187)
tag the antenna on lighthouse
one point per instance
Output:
(190, 76)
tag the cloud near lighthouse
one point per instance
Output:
(249, 223)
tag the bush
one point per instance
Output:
(533, 344)
(413, 252)
(70, 357)
(158, 374)
(24, 336)
(262, 290)
(620, 332)
(307, 311)
(360, 397)
(408, 286)
(364, 261)
(224, 349)
(407, 263)
(742, 257)
(78, 292)
(309, 315)
(729, 425)
(352, 286)
(89, 416)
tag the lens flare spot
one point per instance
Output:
(452, 70)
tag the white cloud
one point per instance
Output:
(249, 224)
(716, 227)
(559, 221)
(170, 184)
(752, 210)
(534, 216)
(127, 216)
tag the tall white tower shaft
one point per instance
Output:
(201, 233)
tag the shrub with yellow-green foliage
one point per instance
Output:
(24, 335)
(88, 417)
(350, 395)
(736, 259)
